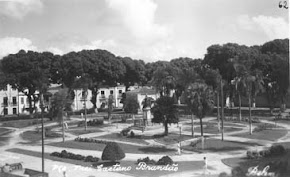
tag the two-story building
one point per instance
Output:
(14, 102)
(102, 97)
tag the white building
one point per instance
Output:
(102, 97)
(14, 102)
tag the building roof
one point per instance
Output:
(143, 91)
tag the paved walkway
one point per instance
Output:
(55, 168)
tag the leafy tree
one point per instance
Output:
(164, 111)
(199, 98)
(165, 79)
(110, 106)
(28, 72)
(135, 72)
(60, 104)
(131, 105)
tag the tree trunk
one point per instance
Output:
(62, 122)
(192, 126)
(250, 115)
(218, 111)
(30, 104)
(165, 127)
(240, 105)
(85, 106)
(222, 105)
(201, 127)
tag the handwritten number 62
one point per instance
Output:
(281, 5)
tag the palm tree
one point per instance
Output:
(199, 98)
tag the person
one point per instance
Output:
(204, 165)
(179, 148)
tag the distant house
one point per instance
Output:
(141, 93)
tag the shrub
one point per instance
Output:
(90, 140)
(132, 134)
(165, 160)
(63, 154)
(125, 132)
(147, 160)
(91, 159)
(238, 172)
(264, 153)
(253, 154)
(277, 150)
(69, 155)
(113, 152)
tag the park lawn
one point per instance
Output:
(4, 130)
(81, 130)
(3, 140)
(172, 138)
(216, 145)
(127, 148)
(282, 121)
(116, 136)
(183, 166)
(214, 130)
(233, 124)
(22, 123)
(270, 135)
(34, 136)
(245, 163)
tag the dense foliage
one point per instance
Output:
(112, 152)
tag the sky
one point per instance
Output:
(150, 30)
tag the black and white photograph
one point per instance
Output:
(144, 88)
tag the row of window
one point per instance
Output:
(5, 111)
(111, 92)
(14, 100)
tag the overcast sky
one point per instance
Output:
(142, 29)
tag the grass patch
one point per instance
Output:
(172, 138)
(270, 135)
(3, 140)
(214, 130)
(157, 149)
(4, 130)
(127, 148)
(22, 123)
(34, 136)
(80, 130)
(216, 145)
(116, 136)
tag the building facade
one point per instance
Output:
(14, 102)
(81, 100)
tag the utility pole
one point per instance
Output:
(222, 105)
(42, 132)
(85, 106)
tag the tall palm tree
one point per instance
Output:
(199, 98)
